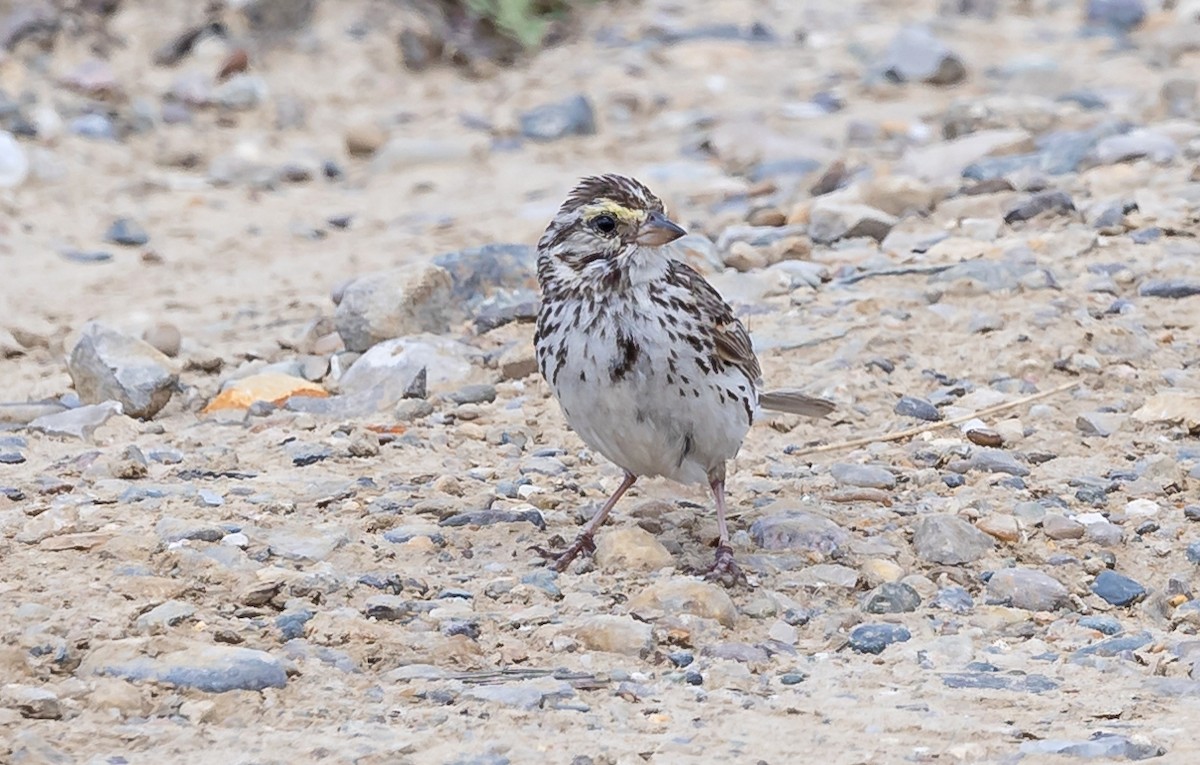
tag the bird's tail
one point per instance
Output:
(795, 402)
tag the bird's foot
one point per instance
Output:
(724, 570)
(560, 559)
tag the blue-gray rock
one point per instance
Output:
(1174, 289)
(126, 232)
(1026, 588)
(209, 668)
(95, 126)
(798, 530)
(1117, 589)
(867, 476)
(291, 623)
(873, 638)
(949, 540)
(994, 168)
(1058, 202)
(1193, 553)
(86, 256)
(911, 406)
(1102, 623)
(489, 517)
(481, 272)
(401, 534)
(11, 457)
(529, 694)
(915, 55)
(1106, 746)
(996, 681)
(1120, 15)
(680, 658)
(550, 122)
(997, 461)
(1114, 646)
(954, 599)
(106, 365)
(892, 598)
(474, 394)
(304, 454)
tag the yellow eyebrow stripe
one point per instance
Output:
(620, 212)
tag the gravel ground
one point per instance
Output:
(273, 451)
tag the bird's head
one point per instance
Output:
(603, 218)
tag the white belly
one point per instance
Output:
(646, 419)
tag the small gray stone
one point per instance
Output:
(383, 376)
(831, 221)
(1134, 145)
(1102, 424)
(798, 530)
(1026, 588)
(550, 122)
(1058, 527)
(106, 365)
(126, 232)
(1058, 202)
(489, 517)
(177, 529)
(910, 406)
(1174, 289)
(304, 544)
(209, 668)
(995, 681)
(1102, 623)
(949, 540)
(892, 598)
(1120, 15)
(1117, 589)
(474, 394)
(915, 55)
(954, 599)
(997, 461)
(873, 638)
(165, 615)
(1106, 746)
(866, 476)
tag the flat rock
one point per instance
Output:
(614, 634)
(209, 668)
(1002, 527)
(798, 530)
(1106, 746)
(631, 549)
(527, 694)
(865, 476)
(106, 365)
(1176, 407)
(949, 540)
(1026, 588)
(1117, 589)
(31, 702)
(687, 596)
(391, 304)
(165, 615)
(550, 122)
(385, 374)
(78, 423)
(273, 387)
(831, 221)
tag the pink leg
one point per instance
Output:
(584, 542)
(723, 570)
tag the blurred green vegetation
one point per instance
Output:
(525, 22)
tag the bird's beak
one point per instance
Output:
(657, 230)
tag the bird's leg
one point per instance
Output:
(584, 543)
(723, 570)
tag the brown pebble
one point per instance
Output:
(237, 61)
(984, 437)
(862, 495)
(766, 216)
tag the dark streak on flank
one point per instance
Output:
(628, 354)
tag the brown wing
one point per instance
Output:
(729, 334)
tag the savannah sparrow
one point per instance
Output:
(647, 360)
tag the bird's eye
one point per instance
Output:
(605, 224)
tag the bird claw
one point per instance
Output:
(560, 559)
(724, 570)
